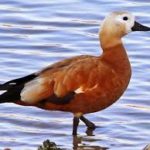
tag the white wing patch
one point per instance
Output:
(79, 90)
(32, 90)
(3, 91)
(12, 83)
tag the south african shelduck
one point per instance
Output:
(82, 84)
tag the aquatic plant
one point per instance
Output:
(48, 145)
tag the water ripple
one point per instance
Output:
(34, 34)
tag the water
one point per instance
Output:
(34, 34)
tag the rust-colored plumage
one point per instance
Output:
(82, 84)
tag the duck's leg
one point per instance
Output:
(88, 123)
(75, 125)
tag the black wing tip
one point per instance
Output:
(13, 88)
(18, 81)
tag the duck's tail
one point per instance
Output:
(10, 91)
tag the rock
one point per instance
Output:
(47, 145)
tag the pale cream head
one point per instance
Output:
(117, 24)
(114, 27)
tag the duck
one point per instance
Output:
(81, 84)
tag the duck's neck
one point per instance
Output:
(114, 54)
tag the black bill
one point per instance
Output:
(138, 27)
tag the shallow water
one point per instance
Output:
(34, 34)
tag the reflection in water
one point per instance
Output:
(77, 145)
(78, 142)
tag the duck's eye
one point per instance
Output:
(125, 18)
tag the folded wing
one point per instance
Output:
(58, 82)
(61, 79)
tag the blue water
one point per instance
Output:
(34, 34)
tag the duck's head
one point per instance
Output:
(118, 24)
